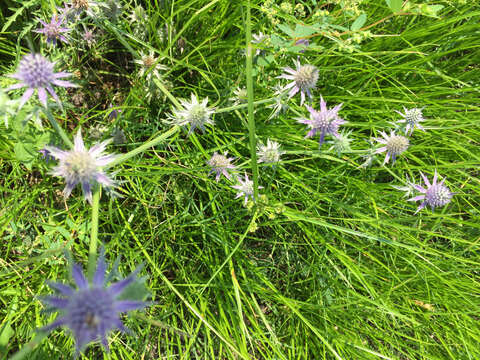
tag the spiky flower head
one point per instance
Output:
(149, 65)
(341, 143)
(113, 114)
(245, 188)
(195, 113)
(93, 310)
(412, 119)
(89, 37)
(82, 166)
(326, 121)
(36, 73)
(138, 14)
(240, 96)
(53, 30)
(435, 194)
(409, 188)
(220, 165)
(269, 153)
(279, 106)
(394, 146)
(259, 38)
(304, 78)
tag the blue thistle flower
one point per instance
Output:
(326, 121)
(53, 30)
(304, 78)
(93, 310)
(36, 72)
(435, 194)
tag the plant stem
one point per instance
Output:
(92, 251)
(57, 128)
(251, 119)
(28, 347)
(144, 147)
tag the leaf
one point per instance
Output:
(394, 5)
(359, 22)
(286, 29)
(24, 152)
(303, 31)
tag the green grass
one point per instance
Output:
(331, 264)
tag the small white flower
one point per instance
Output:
(270, 153)
(304, 78)
(220, 164)
(409, 188)
(195, 113)
(150, 65)
(245, 188)
(240, 96)
(83, 166)
(394, 145)
(412, 118)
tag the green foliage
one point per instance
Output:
(331, 263)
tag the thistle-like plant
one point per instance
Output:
(220, 164)
(411, 119)
(270, 153)
(93, 310)
(53, 30)
(304, 78)
(326, 121)
(149, 65)
(434, 194)
(245, 189)
(36, 73)
(193, 113)
(394, 146)
(82, 166)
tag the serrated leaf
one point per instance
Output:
(24, 152)
(359, 22)
(395, 5)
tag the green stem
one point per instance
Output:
(144, 147)
(92, 251)
(251, 119)
(28, 347)
(57, 128)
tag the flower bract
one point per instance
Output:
(82, 166)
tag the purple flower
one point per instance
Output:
(45, 155)
(36, 72)
(304, 79)
(245, 188)
(326, 121)
(53, 30)
(220, 165)
(83, 166)
(436, 194)
(93, 310)
(394, 145)
(113, 113)
(302, 42)
(412, 118)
